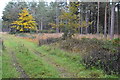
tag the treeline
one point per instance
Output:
(89, 17)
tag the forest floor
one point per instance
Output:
(22, 58)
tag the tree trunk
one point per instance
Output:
(57, 19)
(98, 18)
(86, 30)
(57, 22)
(41, 24)
(82, 19)
(109, 21)
(118, 19)
(81, 30)
(87, 20)
(117, 22)
(105, 23)
(112, 21)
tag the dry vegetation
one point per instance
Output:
(100, 36)
(44, 36)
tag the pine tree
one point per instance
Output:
(70, 20)
(25, 22)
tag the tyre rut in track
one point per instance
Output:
(18, 67)
(64, 73)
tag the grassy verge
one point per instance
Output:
(0, 63)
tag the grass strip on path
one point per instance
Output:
(31, 63)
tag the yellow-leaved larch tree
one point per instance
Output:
(25, 22)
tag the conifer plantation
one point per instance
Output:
(60, 40)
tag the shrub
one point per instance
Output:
(109, 62)
(78, 45)
(47, 31)
(48, 41)
(43, 31)
(52, 31)
(97, 53)
(116, 41)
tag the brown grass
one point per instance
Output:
(100, 36)
(29, 39)
(50, 35)
(44, 36)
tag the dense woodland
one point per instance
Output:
(74, 17)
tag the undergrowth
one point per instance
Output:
(102, 54)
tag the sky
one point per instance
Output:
(2, 6)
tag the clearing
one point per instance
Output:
(25, 59)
